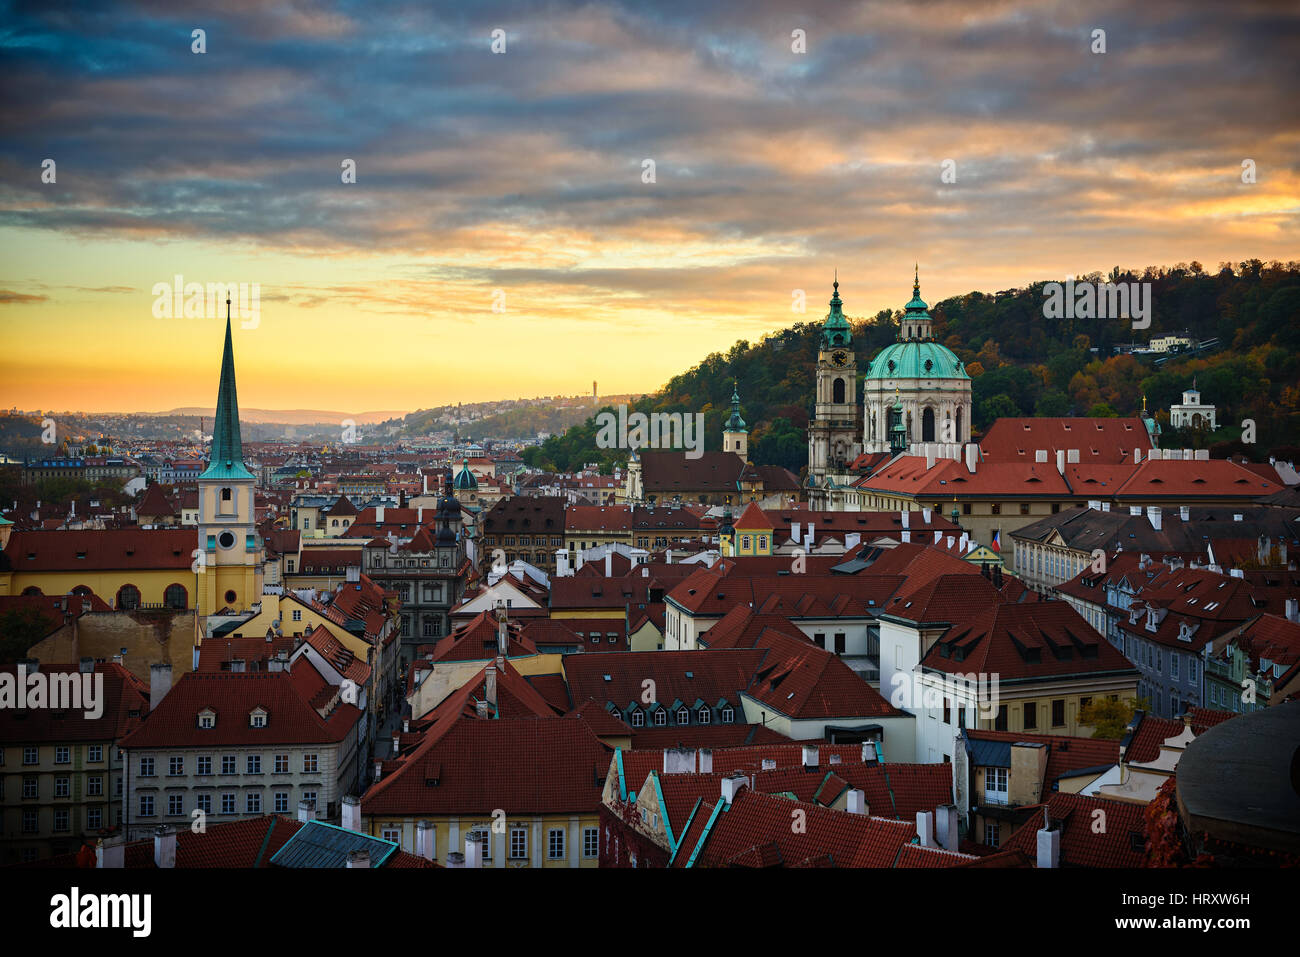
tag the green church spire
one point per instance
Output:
(836, 331)
(226, 459)
(735, 423)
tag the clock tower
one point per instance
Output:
(834, 434)
(228, 562)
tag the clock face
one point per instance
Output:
(839, 358)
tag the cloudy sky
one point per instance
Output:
(517, 178)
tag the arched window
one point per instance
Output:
(128, 596)
(958, 437)
(927, 425)
(684, 716)
(837, 391)
(176, 597)
(32, 590)
(226, 494)
(83, 590)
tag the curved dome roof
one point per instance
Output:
(465, 478)
(916, 360)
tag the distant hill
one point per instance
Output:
(293, 416)
(1022, 364)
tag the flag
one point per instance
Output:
(996, 544)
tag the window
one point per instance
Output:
(146, 805)
(61, 819)
(282, 764)
(518, 843)
(819, 640)
(638, 718)
(947, 710)
(94, 818)
(95, 785)
(1024, 508)
(228, 803)
(997, 508)
(253, 802)
(63, 755)
(1031, 715)
(203, 765)
(29, 755)
(1173, 665)
(254, 764)
(204, 803)
(995, 785)
(206, 720)
(29, 787)
(661, 718)
(146, 767)
(839, 642)
(555, 844)
(1058, 713)
(391, 834)
(683, 716)
(1000, 722)
(590, 841)
(705, 716)
(310, 798)
(281, 802)
(175, 766)
(992, 833)
(728, 715)
(175, 804)
(228, 764)
(94, 754)
(484, 838)
(257, 719)
(29, 824)
(62, 786)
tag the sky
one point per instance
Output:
(501, 239)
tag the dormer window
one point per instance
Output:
(207, 719)
(257, 718)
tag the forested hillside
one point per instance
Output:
(1022, 363)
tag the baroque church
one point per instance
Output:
(915, 390)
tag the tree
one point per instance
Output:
(21, 628)
(1052, 404)
(1108, 718)
(1102, 410)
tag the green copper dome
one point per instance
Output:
(465, 480)
(836, 331)
(735, 423)
(916, 360)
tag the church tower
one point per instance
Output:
(735, 437)
(229, 571)
(834, 434)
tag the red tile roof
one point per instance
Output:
(1098, 440)
(1209, 478)
(123, 694)
(1120, 843)
(1064, 754)
(117, 549)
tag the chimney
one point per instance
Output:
(1135, 509)
(87, 666)
(1236, 516)
(769, 764)
(731, 785)
(359, 860)
(1040, 455)
(925, 515)
(857, 802)
(948, 543)
(306, 812)
(1137, 456)
(351, 812)
(503, 636)
(945, 826)
(397, 744)
(406, 725)
(905, 536)
(706, 761)
(1105, 506)
(810, 757)
(938, 535)
(111, 853)
(925, 828)
(1293, 610)
(1185, 513)
(794, 532)
(379, 515)
(424, 840)
(929, 457)
(481, 709)
(1060, 461)
(972, 456)
(490, 687)
(1072, 457)
(473, 851)
(812, 531)
(869, 753)
(160, 682)
(379, 768)
(853, 539)
(903, 518)
(455, 859)
(1049, 844)
(1153, 516)
(164, 846)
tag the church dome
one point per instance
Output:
(465, 478)
(916, 360)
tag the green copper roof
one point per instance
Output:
(836, 332)
(465, 478)
(916, 360)
(227, 456)
(917, 307)
(735, 423)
